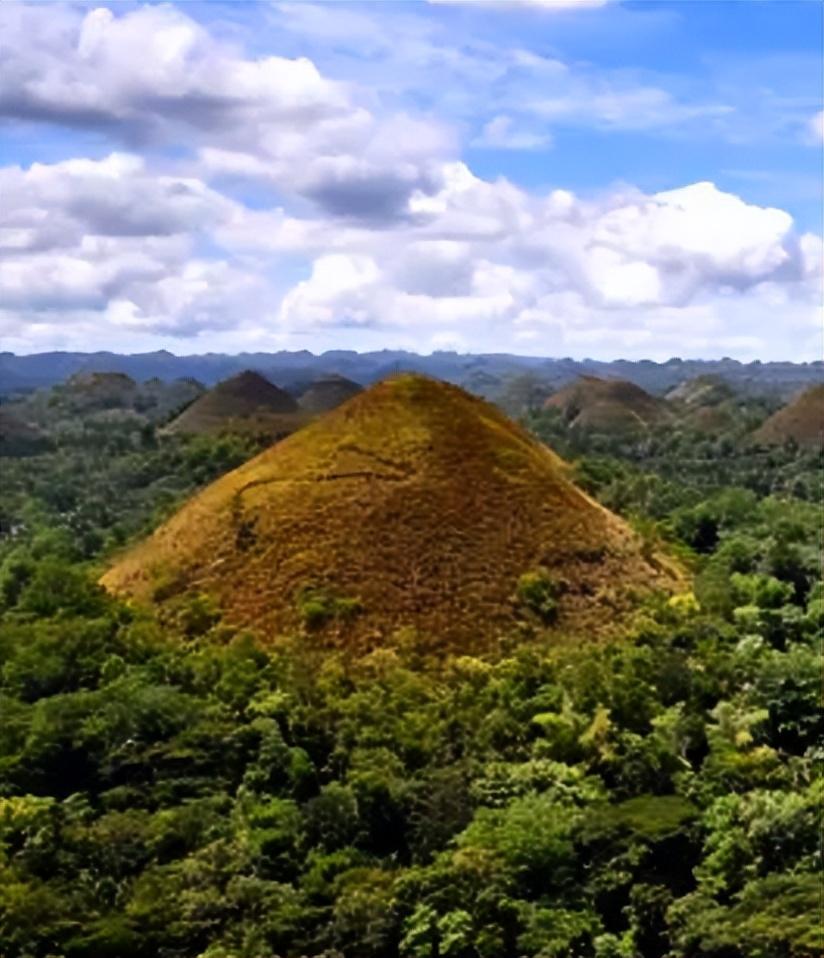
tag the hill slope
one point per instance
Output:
(421, 502)
(18, 437)
(801, 420)
(328, 393)
(246, 402)
(607, 405)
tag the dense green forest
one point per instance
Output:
(169, 789)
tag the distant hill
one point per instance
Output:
(414, 504)
(85, 392)
(707, 404)
(158, 400)
(328, 393)
(20, 374)
(608, 405)
(247, 402)
(801, 420)
(104, 397)
(18, 437)
(707, 390)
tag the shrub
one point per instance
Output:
(537, 593)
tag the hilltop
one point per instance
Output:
(413, 504)
(707, 390)
(801, 420)
(95, 391)
(607, 405)
(327, 393)
(707, 404)
(247, 402)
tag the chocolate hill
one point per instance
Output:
(414, 504)
(608, 405)
(92, 391)
(18, 437)
(705, 404)
(247, 402)
(701, 391)
(328, 393)
(159, 400)
(801, 420)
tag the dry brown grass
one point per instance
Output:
(328, 393)
(415, 498)
(801, 420)
(608, 405)
(246, 403)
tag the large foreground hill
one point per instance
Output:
(414, 504)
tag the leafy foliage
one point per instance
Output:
(167, 787)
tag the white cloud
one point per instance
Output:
(645, 272)
(500, 133)
(815, 127)
(552, 5)
(154, 74)
(111, 237)
(378, 234)
(475, 261)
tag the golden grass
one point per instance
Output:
(418, 500)
(802, 420)
(246, 403)
(608, 405)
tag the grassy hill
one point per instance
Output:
(327, 393)
(18, 437)
(245, 403)
(607, 405)
(414, 504)
(801, 420)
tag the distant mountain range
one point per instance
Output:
(482, 373)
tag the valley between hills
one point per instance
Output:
(500, 667)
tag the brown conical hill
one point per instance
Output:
(801, 420)
(18, 437)
(703, 391)
(328, 393)
(421, 502)
(91, 391)
(247, 402)
(608, 405)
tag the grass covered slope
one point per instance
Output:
(607, 405)
(414, 504)
(328, 393)
(247, 402)
(801, 420)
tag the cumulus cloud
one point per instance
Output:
(501, 133)
(111, 237)
(377, 228)
(154, 74)
(495, 264)
(470, 260)
(147, 68)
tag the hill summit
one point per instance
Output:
(413, 504)
(327, 393)
(607, 405)
(801, 420)
(247, 401)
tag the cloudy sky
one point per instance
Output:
(579, 178)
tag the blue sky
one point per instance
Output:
(559, 177)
